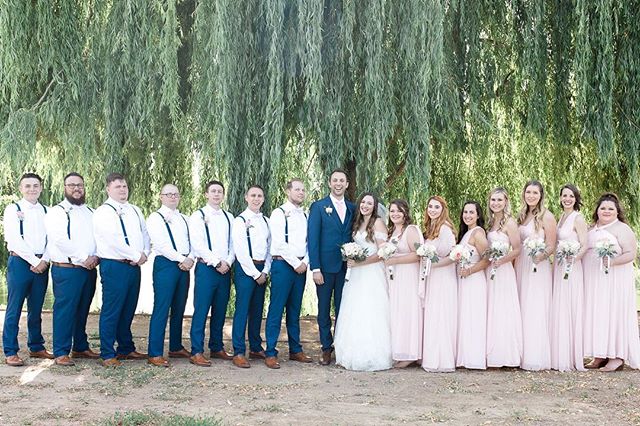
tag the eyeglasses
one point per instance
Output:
(74, 185)
(171, 194)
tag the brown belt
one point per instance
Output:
(282, 258)
(201, 260)
(127, 261)
(65, 265)
(13, 253)
(258, 262)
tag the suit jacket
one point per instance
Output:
(326, 234)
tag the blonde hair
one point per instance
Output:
(538, 211)
(506, 212)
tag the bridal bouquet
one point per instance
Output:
(566, 253)
(387, 250)
(352, 251)
(605, 251)
(497, 250)
(533, 247)
(427, 252)
(461, 255)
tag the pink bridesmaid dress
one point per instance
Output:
(611, 322)
(504, 322)
(535, 289)
(407, 315)
(566, 308)
(472, 314)
(440, 310)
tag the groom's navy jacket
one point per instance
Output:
(326, 234)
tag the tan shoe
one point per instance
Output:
(133, 355)
(88, 354)
(14, 361)
(300, 357)
(221, 355)
(199, 360)
(65, 361)
(326, 357)
(182, 353)
(158, 361)
(241, 362)
(596, 363)
(43, 354)
(272, 362)
(257, 355)
(111, 362)
(615, 364)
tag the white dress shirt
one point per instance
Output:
(76, 245)
(292, 222)
(219, 223)
(159, 235)
(258, 228)
(34, 238)
(110, 238)
(341, 207)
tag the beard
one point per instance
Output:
(75, 201)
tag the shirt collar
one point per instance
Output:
(335, 201)
(25, 205)
(248, 214)
(167, 211)
(116, 203)
(290, 207)
(210, 210)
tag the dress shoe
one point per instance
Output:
(613, 365)
(596, 363)
(41, 354)
(221, 355)
(14, 361)
(241, 361)
(402, 364)
(199, 360)
(111, 362)
(158, 361)
(133, 355)
(65, 361)
(182, 353)
(272, 362)
(88, 354)
(300, 357)
(326, 357)
(257, 355)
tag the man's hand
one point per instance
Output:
(301, 269)
(40, 268)
(141, 261)
(223, 268)
(186, 264)
(318, 278)
(262, 279)
(90, 262)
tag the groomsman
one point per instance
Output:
(27, 270)
(330, 222)
(210, 229)
(122, 244)
(251, 240)
(169, 235)
(288, 273)
(72, 249)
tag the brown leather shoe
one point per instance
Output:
(111, 362)
(257, 355)
(133, 355)
(199, 360)
(300, 357)
(326, 357)
(182, 353)
(43, 354)
(14, 361)
(221, 355)
(88, 354)
(241, 362)
(272, 362)
(158, 361)
(65, 361)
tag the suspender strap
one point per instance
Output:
(248, 237)
(173, 242)
(21, 221)
(68, 220)
(286, 226)
(206, 228)
(124, 230)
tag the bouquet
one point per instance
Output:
(427, 252)
(605, 251)
(497, 250)
(352, 251)
(566, 253)
(533, 247)
(461, 255)
(387, 250)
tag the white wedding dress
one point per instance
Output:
(363, 331)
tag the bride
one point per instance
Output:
(363, 331)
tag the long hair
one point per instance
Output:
(506, 212)
(480, 221)
(432, 227)
(576, 194)
(403, 206)
(537, 211)
(609, 196)
(359, 218)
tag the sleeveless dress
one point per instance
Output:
(535, 289)
(611, 324)
(504, 322)
(363, 330)
(440, 310)
(472, 314)
(567, 307)
(407, 316)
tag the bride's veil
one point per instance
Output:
(383, 212)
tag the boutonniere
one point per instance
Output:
(206, 219)
(248, 224)
(328, 209)
(167, 219)
(67, 211)
(20, 215)
(120, 212)
(287, 214)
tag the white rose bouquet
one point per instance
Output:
(387, 250)
(605, 251)
(497, 250)
(566, 253)
(352, 251)
(533, 247)
(461, 255)
(429, 254)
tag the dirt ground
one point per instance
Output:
(42, 393)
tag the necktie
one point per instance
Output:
(342, 210)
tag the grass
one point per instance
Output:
(150, 418)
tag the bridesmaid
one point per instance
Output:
(441, 296)
(472, 291)
(535, 288)
(611, 323)
(406, 307)
(504, 323)
(567, 302)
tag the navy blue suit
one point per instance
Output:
(326, 233)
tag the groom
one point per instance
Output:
(329, 227)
